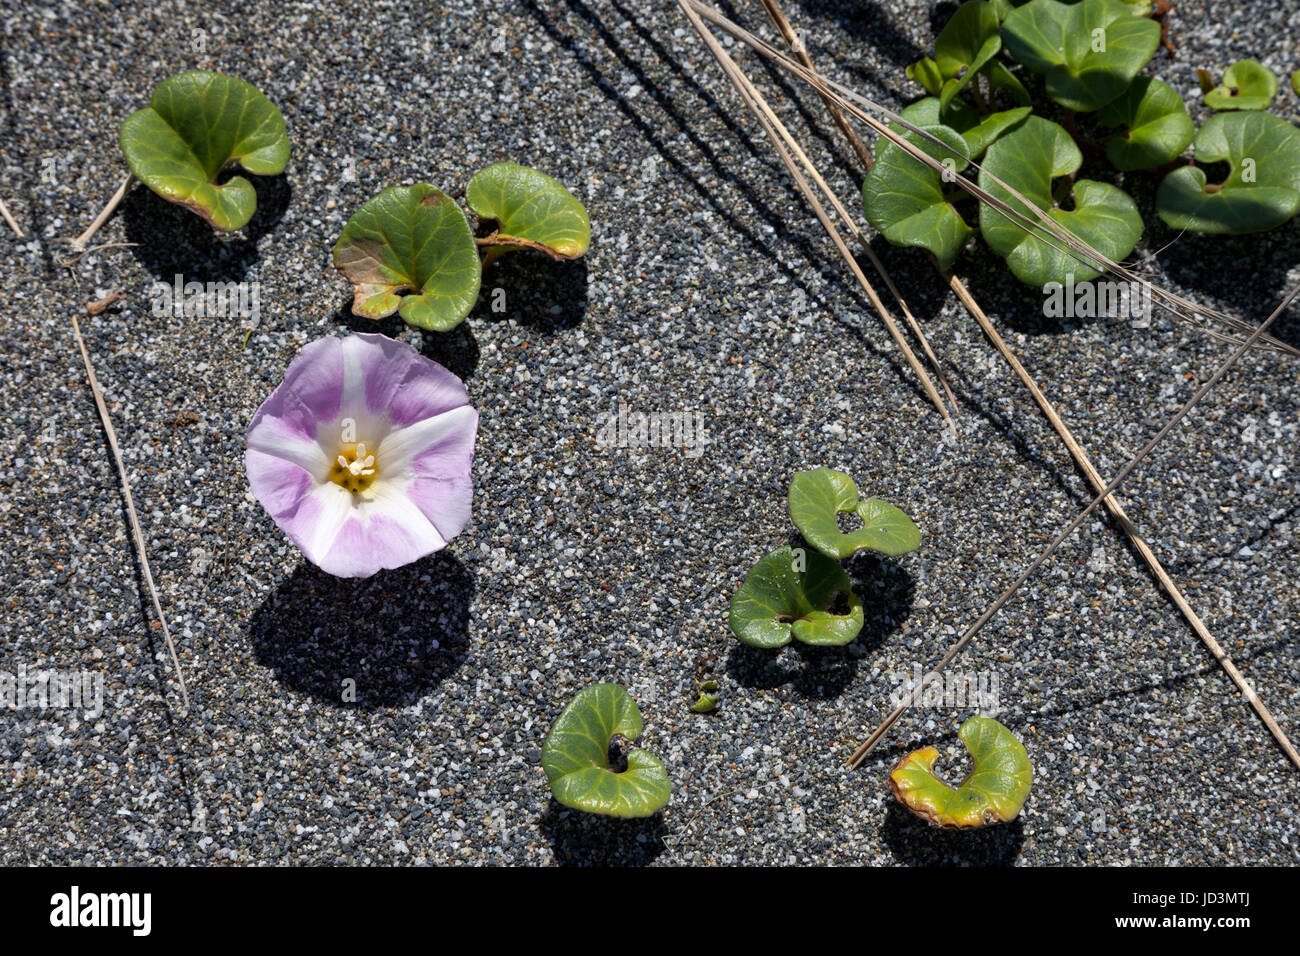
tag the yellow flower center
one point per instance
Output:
(354, 469)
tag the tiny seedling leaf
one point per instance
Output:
(1247, 85)
(906, 201)
(1263, 186)
(968, 41)
(1088, 52)
(708, 699)
(1155, 125)
(576, 756)
(790, 594)
(531, 211)
(926, 73)
(410, 250)
(196, 125)
(994, 792)
(1029, 159)
(818, 495)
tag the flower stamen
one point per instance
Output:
(354, 468)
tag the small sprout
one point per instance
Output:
(198, 124)
(966, 43)
(1295, 82)
(1247, 85)
(926, 73)
(410, 250)
(1089, 52)
(817, 496)
(1155, 125)
(1029, 160)
(708, 697)
(531, 211)
(793, 594)
(1263, 186)
(581, 767)
(994, 792)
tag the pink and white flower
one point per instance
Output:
(362, 454)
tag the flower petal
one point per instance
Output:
(311, 390)
(401, 382)
(438, 447)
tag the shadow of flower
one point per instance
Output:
(396, 635)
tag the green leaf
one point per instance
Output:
(926, 72)
(1003, 79)
(788, 594)
(1295, 82)
(817, 496)
(1247, 85)
(195, 126)
(708, 699)
(978, 131)
(410, 250)
(1156, 127)
(994, 792)
(1262, 189)
(905, 199)
(968, 41)
(1028, 159)
(1004, 7)
(575, 757)
(1089, 52)
(531, 210)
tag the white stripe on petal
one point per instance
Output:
(335, 508)
(389, 499)
(397, 453)
(270, 437)
(354, 404)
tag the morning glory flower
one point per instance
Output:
(362, 454)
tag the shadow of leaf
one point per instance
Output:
(589, 839)
(916, 843)
(171, 240)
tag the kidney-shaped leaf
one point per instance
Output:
(1028, 159)
(531, 210)
(410, 250)
(993, 793)
(1089, 52)
(576, 756)
(1155, 125)
(905, 199)
(968, 41)
(1247, 85)
(1262, 189)
(195, 126)
(789, 594)
(818, 495)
